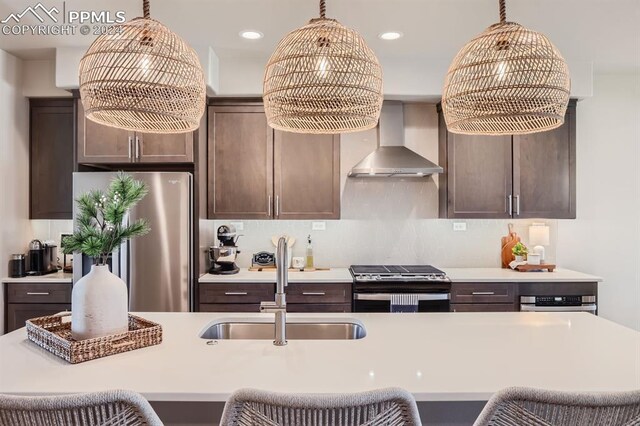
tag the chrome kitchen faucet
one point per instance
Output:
(279, 307)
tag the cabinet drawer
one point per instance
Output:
(319, 307)
(19, 313)
(483, 293)
(237, 293)
(230, 307)
(38, 293)
(318, 293)
(483, 307)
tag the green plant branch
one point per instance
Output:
(100, 220)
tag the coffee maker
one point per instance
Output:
(43, 258)
(223, 257)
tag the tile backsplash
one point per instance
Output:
(346, 242)
(50, 230)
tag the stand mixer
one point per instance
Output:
(223, 257)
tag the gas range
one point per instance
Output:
(398, 273)
(377, 288)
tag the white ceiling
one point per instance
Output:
(606, 32)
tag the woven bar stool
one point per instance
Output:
(528, 407)
(389, 407)
(110, 408)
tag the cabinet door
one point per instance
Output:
(319, 293)
(19, 313)
(483, 293)
(319, 307)
(102, 144)
(306, 176)
(483, 307)
(479, 176)
(545, 172)
(240, 163)
(164, 148)
(52, 139)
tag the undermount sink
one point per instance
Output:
(296, 330)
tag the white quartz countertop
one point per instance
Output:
(508, 275)
(435, 356)
(333, 275)
(58, 277)
(343, 275)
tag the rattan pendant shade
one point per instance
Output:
(507, 80)
(143, 77)
(323, 79)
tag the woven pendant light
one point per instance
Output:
(323, 79)
(143, 77)
(508, 80)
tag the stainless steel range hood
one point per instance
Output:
(392, 158)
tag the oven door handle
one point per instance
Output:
(534, 308)
(387, 296)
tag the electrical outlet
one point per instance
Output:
(318, 226)
(238, 225)
(459, 226)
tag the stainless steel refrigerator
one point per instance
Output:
(157, 267)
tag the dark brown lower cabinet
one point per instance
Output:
(483, 307)
(24, 301)
(301, 297)
(229, 307)
(484, 297)
(316, 307)
(18, 314)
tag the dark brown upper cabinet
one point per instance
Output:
(544, 171)
(306, 176)
(240, 163)
(525, 176)
(258, 173)
(51, 135)
(100, 144)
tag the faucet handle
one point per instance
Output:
(268, 306)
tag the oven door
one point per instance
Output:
(381, 302)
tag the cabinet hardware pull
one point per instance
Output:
(235, 293)
(130, 146)
(314, 293)
(269, 205)
(510, 202)
(137, 148)
(277, 206)
(483, 293)
(36, 293)
(517, 197)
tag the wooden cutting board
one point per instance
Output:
(508, 243)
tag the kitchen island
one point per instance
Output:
(438, 357)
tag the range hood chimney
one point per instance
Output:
(392, 158)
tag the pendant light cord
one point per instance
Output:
(503, 12)
(145, 9)
(323, 9)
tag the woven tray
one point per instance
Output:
(54, 334)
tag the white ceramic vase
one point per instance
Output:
(99, 305)
(519, 258)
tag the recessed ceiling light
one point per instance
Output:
(251, 35)
(390, 35)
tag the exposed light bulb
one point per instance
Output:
(501, 69)
(145, 64)
(323, 67)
